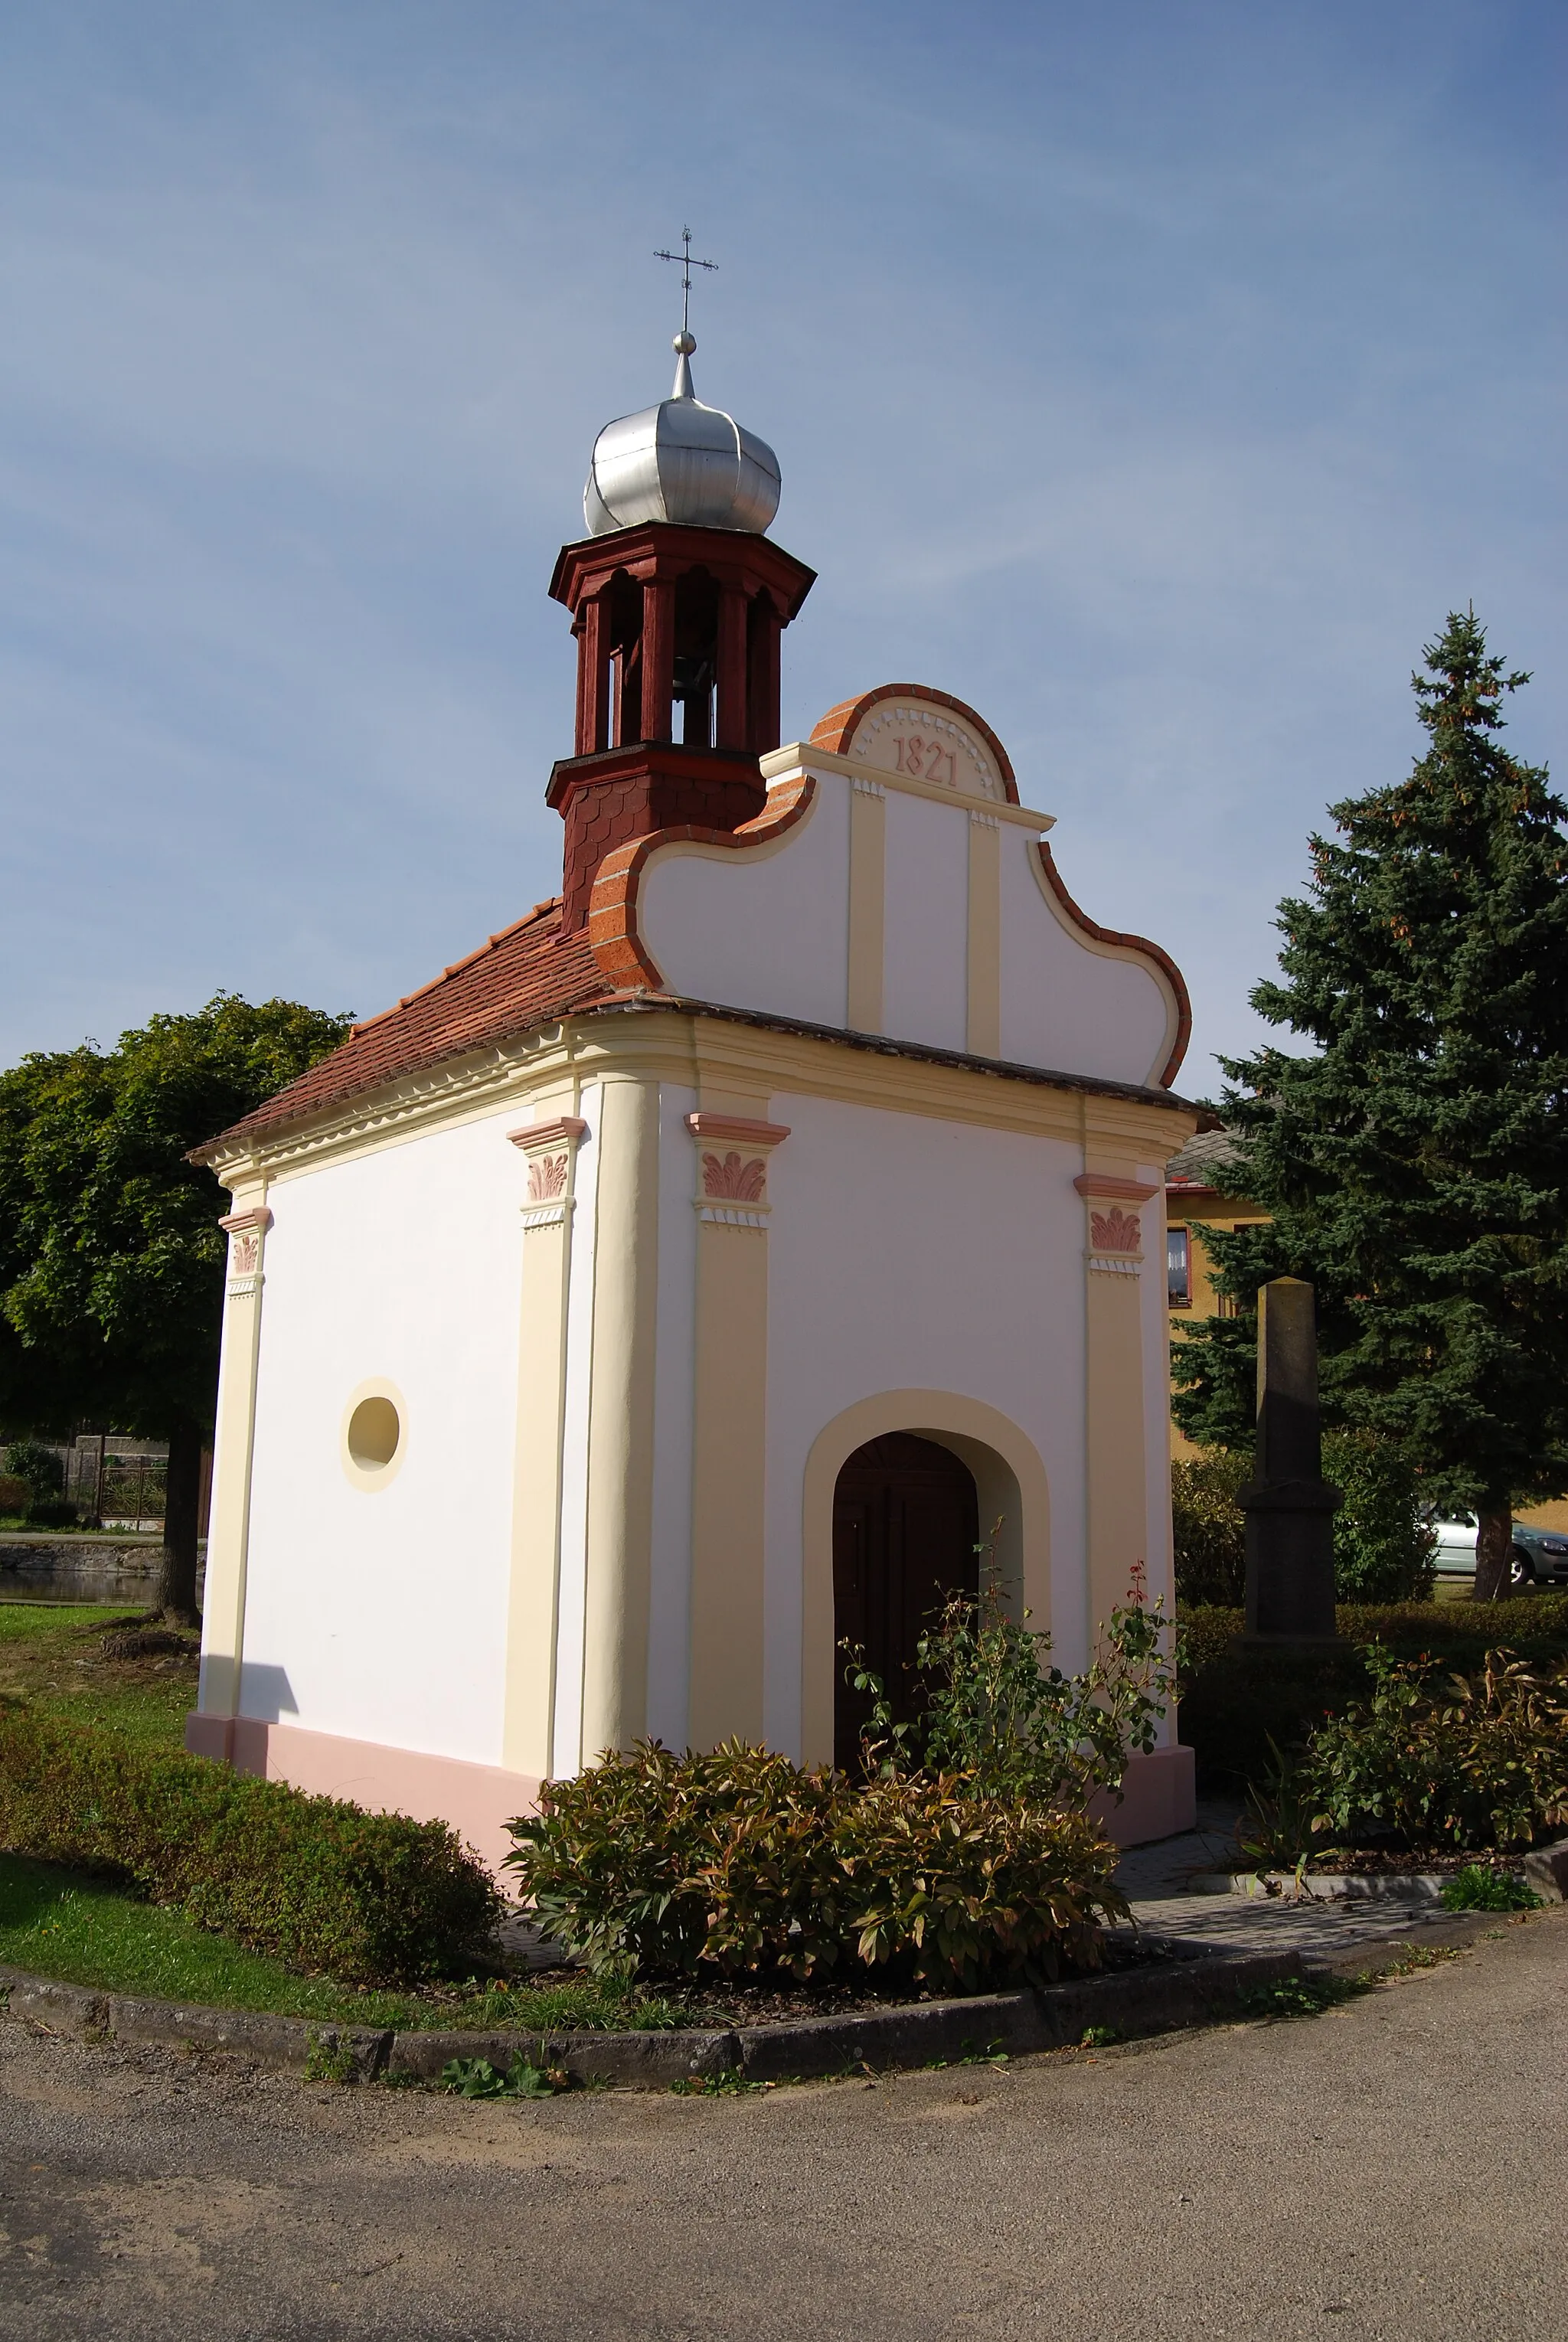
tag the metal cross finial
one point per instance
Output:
(687, 264)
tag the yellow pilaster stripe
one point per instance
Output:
(621, 1418)
(867, 890)
(985, 1002)
(550, 1149)
(234, 1450)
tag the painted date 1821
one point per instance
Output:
(923, 760)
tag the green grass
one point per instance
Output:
(87, 1930)
(53, 1656)
(62, 1923)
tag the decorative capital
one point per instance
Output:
(1115, 1231)
(549, 1147)
(245, 1231)
(732, 1154)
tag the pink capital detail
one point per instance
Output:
(244, 1251)
(1114, 1231)
(741, 1181)
(547, 1177)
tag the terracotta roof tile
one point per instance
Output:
(526, 975)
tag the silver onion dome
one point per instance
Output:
(680, 461)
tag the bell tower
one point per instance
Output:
(677, 601)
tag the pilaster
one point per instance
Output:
(867, 897)
(620, 1497)
(984, 968)
(233, 1449)
(1116, 1459)
(730, 1425)
(549, 1201)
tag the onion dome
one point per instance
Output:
(681, 461)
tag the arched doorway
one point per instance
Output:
(905, 1524)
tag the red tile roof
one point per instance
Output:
(526, 975)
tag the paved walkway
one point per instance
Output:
(1391, 2170)
(1158, 1882)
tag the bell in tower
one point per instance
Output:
(677, 601)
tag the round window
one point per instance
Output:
(374, 1431)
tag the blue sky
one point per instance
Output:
(1154, 376)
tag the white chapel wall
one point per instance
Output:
(909, 1253)
(758, 928)
(382, 1616)
(768, 927)
(1063, 1004)
(925, 922)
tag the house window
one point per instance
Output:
(1178, 1267)
(1226, 1303)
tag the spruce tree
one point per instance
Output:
(1414, 1159)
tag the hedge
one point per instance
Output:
(1236, 1701)
(739, 1862)
(1382, 1547)
(330, 1889)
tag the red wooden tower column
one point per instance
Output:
(668, 615)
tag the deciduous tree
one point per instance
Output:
(111, 1257)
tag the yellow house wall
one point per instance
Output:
(1192, 1213)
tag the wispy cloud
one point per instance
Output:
(1155, 378)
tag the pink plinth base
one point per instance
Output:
(1159, 1798)
(478, 1800)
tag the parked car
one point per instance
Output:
(1543, 1552)
(1540, 1555)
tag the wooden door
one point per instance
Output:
(905, 1524)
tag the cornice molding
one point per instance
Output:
(707, 1047)
(713, 1128)
(799, 758)
(565, 1131)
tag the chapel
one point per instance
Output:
(689, 1280)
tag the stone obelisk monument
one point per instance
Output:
(1289, 1506)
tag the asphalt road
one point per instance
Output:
(1396, 2168)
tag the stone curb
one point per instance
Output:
(1413, 1886)
(1546, 1870)
(1191, 1990)
(1453, 1933)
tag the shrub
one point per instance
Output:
(1458, 1762)
(368, 1898)
(1002, 1721)
(740, 1863)
(38, 1467)
(1383, 1547)
(14, 1494)
(52, 1512)
(1235, 1700)
(1209, 1527)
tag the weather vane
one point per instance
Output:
(685, 344)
